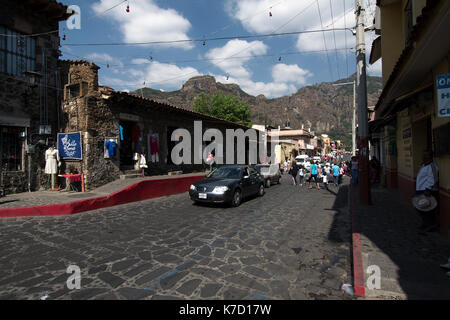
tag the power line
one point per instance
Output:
(324, 41)
(201, 60)
(200, 40)
(334, 36)
(345, 37)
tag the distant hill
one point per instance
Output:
(322, 107)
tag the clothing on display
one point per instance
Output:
(135, 133)
(51, 161)
(154, 147)
(110, 148)
(121, 132)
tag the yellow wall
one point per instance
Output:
(392, 37)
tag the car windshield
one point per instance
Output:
(226, 173)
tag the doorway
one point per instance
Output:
(128, 130)
(422, 140)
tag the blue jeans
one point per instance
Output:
(336, 180)
(354, 176)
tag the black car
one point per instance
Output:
(228, 184)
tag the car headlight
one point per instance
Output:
(192, 187)
(220, 190)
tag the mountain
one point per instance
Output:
(322, 107)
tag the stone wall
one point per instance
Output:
(22, 103)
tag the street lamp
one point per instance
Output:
(354, 114)
(33, 78)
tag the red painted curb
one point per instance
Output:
(358, 274)
(145, 189)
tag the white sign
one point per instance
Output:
(443, 95)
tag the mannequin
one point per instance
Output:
(51, 164)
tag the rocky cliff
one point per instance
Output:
(322, 107)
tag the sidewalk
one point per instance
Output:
(113, 193)
(389, 238)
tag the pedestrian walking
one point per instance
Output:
(293, 172)
(301, 175)
(210, 161)
(314, 175)
(335, 170)
(326, 175)
(426, 199)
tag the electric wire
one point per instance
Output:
(334, 36)
(324, 41)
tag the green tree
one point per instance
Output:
(227, 107)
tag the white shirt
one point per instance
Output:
(425, 178)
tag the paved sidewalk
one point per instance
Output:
(40, 198)
(408, 261)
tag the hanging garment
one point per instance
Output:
(51, 161)
(121, 133)
(111, 147)
(154, 148)
(135, 133)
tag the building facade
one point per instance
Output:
(132, 125)
(414, 47)
(30, 95)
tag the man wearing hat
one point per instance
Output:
(427, 192)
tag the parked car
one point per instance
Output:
(270, 172)
(228, 184)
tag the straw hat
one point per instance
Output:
(424, 203)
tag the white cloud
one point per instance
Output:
(289, 73)
(375, 69)
(296, 15)
(234, 54)
(146, 22)
(168, 75)
(104, 58)
(232, 59)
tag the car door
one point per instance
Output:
(254, 181)
(246, 182)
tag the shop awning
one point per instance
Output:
(375, 53)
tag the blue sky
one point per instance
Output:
(273, 66)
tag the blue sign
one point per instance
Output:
(69, 146)
(443, 95)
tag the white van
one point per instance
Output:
(303, 160)
(316, 158)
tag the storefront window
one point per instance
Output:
(11, 144)
(17, 52)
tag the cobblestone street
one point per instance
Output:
(293, 243)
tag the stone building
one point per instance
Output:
(29, 50)
(102, 114)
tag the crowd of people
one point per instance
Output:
(330, 172)
(316, 173)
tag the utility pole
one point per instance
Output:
(361, 86)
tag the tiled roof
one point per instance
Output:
(178, 109)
